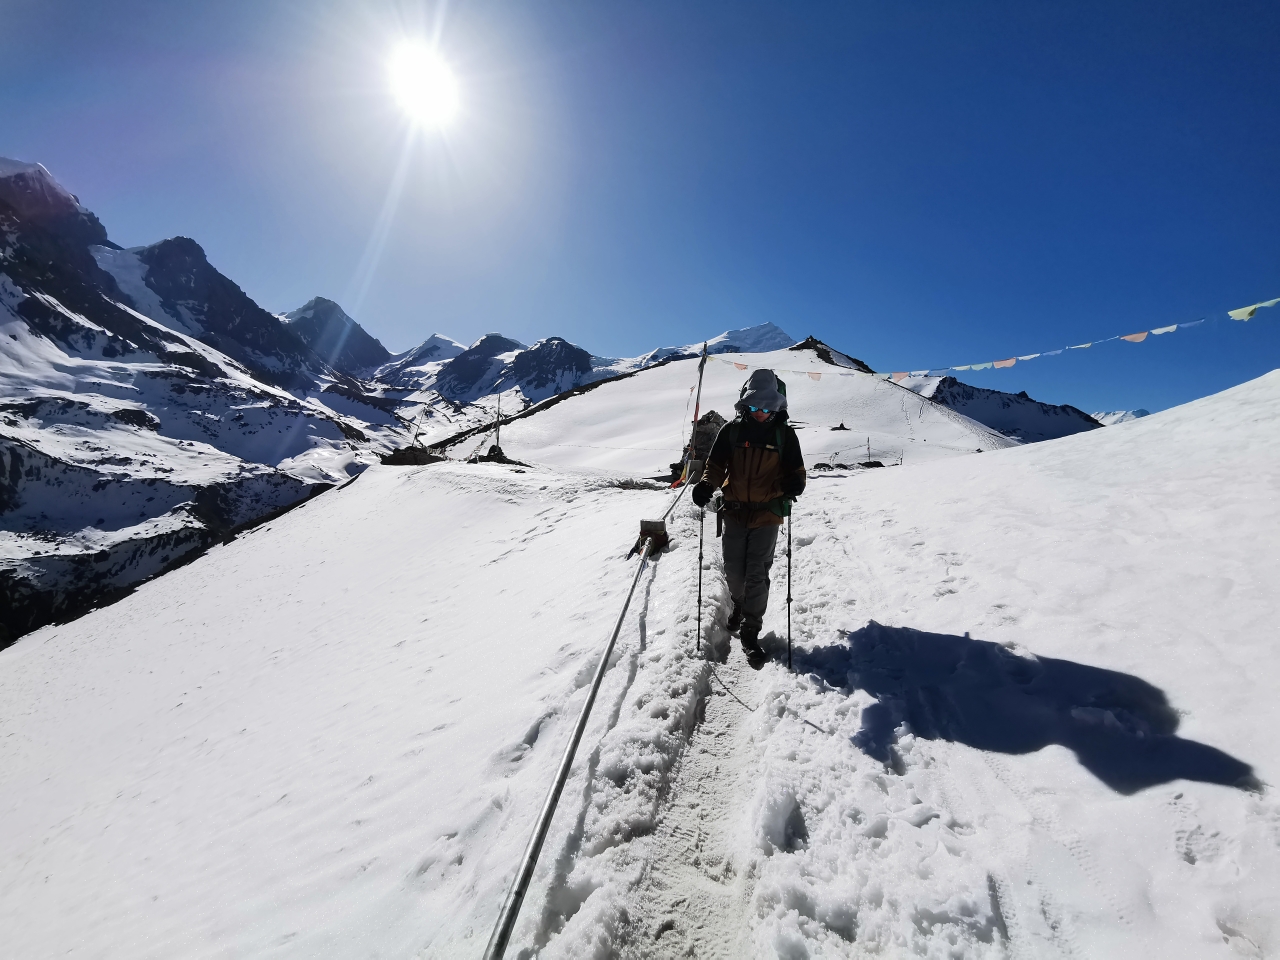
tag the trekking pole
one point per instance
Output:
(788, 591)
(702, 517)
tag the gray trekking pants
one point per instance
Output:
(748, 555)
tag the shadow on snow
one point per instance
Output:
(1121, 728)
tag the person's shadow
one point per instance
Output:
(1121, 728)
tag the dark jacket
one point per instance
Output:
(754, 473)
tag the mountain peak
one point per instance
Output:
(337, 339)
(761, 338)
(829, 355)
(31, 190)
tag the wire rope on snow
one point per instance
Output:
(653, 537)
(520, 885)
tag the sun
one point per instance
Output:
(423, 85)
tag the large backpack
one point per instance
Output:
(778, 506)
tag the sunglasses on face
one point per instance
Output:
(759, 409)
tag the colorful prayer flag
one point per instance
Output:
(900, 376)
(1081, 346)
(1000, 364)
(1029, 356)
(1135, 337)
(741, 366)
(981, 366)
(1244, 313)
(1159, 330)
(967, 366)
(815, 376)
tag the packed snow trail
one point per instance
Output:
(693, 899)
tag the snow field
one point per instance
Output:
(634, 426)
(331, 736)
(1143, 558)
(1031, 716)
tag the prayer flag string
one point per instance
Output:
(1243, 313)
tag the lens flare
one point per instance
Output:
(423, 84)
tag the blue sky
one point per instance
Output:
(917, 183)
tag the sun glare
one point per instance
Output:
(423, 84)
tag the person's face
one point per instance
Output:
(760, 415)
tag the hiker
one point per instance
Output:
(756, 459)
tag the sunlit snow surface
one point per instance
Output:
(637, 425)
(332, 736)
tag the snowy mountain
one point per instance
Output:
(416, 369)
(1014, 415)
(31, 192)
(148, 406)
(761, 338)
(337, 339)
(1109, 418)
(1031, 715)
(143, 414)
(173, 282)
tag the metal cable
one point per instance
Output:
(520, 885)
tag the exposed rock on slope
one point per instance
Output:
(827, 354)
(220, 314)
(337, 339)
(1013, 414)
(468, 374)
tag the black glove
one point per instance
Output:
(701, 494)
(792, 489)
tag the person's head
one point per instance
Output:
(762, 397)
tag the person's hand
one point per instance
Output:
(701, 494)
(792, 489)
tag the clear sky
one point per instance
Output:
(917, 183)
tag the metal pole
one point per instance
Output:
(788, 591)
(702, 516)
(697, 404)
(520, 885)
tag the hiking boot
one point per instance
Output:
(735, 617)
(751, 647)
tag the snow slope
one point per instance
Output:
(637, 426)
(1032, 715)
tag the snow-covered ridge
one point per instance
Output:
(1014, 415)
(1109, 418)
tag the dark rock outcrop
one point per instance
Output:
(337, 339)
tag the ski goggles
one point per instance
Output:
(759, 409)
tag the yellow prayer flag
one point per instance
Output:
(1244, 313)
